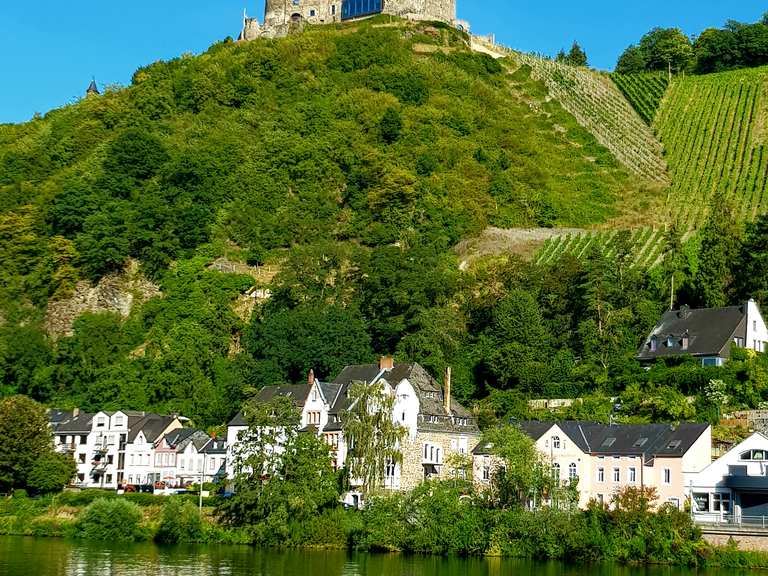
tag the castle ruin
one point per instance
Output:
(281, 16)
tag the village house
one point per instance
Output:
(606, 458)
(706, 334)
(734, 488)
(140, 458)
(112, 449)
(437, 426)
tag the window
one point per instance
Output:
(600, 498)
(110, 459)
(673, 445)
(100, 421)
(757, 455)
(632, 475)
(653, 344)
(556, 471)
(616, 475)
(667, 476)
(312, 12)
(81, 477)
(572, 475)
(389, 469)
(608, 442)
(556, 442)
(182, 463)
(109, 479)
(640, 442)
(131, 460)
(739, 342)
(333, 9)
(314, 394)
(212, 464)
(486, 473)
(402, 418)
(708, 362)
(119, 420)
(83, 439)
(701, 501)
(601, 474)
(81, 458)
(721, 502)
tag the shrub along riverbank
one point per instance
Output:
(436, 518)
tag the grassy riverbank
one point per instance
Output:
(429, 520)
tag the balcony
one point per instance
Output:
(67, 447)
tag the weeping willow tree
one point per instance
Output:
(373, 435)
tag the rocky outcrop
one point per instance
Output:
(118, 293)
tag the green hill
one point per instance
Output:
(714, 135)
(233, 219)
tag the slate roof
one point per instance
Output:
(710, 332)
(298, 393)
(215, 446)
(56, 416)
(662, 440)
(432, 416)
(92, 88)
(180, 437)
(80, 424)
(152, 425)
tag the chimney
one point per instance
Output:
(75, 412)
(386, 363)
(447, 393)
(311, 377)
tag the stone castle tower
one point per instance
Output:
(280, 16)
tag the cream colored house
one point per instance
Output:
(606, 458)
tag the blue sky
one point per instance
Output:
(49, 50)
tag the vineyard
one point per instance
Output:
(643, 246)
(602, 109)
(643, 91)
(714, 133)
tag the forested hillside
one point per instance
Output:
(231, 220)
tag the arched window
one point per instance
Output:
(754, 455)
(572, 471)
(556, 471)
(556, 442)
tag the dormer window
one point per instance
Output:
(653, 344)
(673, 445)
(608, 442)
(685, 341)
(669, 342)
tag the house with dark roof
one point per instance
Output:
(706, 334)
(605, 458)
(437, 425)
(70, 436)
(139, 454)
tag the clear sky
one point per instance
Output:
(50, 50)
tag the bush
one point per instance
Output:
(181, 522)
(51, 472)
(111, 519)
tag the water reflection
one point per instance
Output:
(41, 557)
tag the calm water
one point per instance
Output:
(43, 557)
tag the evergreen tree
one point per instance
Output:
(577, 56)
(718, 255)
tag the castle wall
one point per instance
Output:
(281, 15)
(444, 10)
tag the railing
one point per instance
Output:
(719, 519)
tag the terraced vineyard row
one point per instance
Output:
(646, 244)
(643, 91)
(714, 132)
(600, 107)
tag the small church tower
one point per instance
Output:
(92, 90)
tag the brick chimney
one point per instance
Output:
(311, 377)
(447, 393)
(386, 363)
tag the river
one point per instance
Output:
(54, 557)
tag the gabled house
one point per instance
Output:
(605, 458)
(734, 488)
(139, 448)
(71, 437)
(238, 425)
(706, 334)
(436, 424)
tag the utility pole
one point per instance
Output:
(672, 294)
(202, 477)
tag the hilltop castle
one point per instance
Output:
(280, 16)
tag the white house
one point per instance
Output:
(140, 463)
(707, 334)
(733, 488)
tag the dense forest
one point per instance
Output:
(350, 163)
(735, 45)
